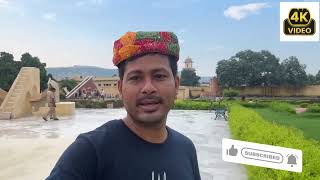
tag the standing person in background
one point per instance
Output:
(51, 99)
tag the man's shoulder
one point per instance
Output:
(103, 134)
(179, 138)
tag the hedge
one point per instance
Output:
(314, 108)
(98, 104)
(197, 105)
(254, 104)
(281, 107)
(230, 93)
(248, 125)
(304, 105)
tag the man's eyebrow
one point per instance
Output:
(134, 72)
(159, 70)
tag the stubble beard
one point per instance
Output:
(148, 122)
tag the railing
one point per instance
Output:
(79, 85)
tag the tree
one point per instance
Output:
(293, 72)
(68, 83)
(227, 73)
(8, 70)
(311, 80)
(28, 61)
(270, 69)
(317, 77)
(189, 78)
(249, 68)
(50, 76)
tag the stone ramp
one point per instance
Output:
(3, 95)
(25, 86)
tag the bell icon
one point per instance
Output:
(292, 159)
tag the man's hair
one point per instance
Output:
(122, 66)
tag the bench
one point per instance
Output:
(221, 113)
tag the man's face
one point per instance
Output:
(148, 88)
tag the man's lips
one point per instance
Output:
(149, 104)
(149, 107)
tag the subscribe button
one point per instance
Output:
(261, 155)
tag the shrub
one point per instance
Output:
(98, 103)
(254, 105)
(248, 125)
(298, 102)
(230, 93)
(314, 108)
(197, 105)
(281, 107)
(304, 105)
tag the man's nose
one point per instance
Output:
(148, 87)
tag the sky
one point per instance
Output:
(81, 32)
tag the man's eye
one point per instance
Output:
(160, 76)
(134, 78)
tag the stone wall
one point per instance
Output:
(187, 92)
(309, 91)
(107, 86)
(183, 92)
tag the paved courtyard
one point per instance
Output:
(30, 147)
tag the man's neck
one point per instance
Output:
(152, 134)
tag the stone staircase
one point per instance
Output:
(15, 95)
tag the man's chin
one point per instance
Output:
(150, 119)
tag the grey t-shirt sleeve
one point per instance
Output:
(78, 162)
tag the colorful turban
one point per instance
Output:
(137, 43)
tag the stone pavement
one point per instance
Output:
(31, 146)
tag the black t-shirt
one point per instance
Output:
(114, 152)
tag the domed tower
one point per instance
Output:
(188, 64)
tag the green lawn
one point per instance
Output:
(309, 123)
(249, 124)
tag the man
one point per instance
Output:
(140, 146)
(51, 99)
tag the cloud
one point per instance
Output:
(49, 16)
(88, 2)
(240, 12)
(11, 7)
(4, 3)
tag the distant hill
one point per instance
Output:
(205, 79)
(68, 72)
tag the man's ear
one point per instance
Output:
(177, 84)
(120, 87)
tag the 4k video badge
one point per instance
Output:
(299, 21)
